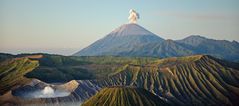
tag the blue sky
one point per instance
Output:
(66, 26)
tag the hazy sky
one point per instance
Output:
(66, 26)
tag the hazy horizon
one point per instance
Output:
(65, 27)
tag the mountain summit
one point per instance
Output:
(130, 30)
(134, 40)
(121, 41)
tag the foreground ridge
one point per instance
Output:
(124, 96)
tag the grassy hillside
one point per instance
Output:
(56, 68)
(201, 80)
(190, 80)
(12, 71)
(124, 96)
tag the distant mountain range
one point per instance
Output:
(134, 40)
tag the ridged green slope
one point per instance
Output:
(12, 72)
(201, 80)
(56, 68)
(124, 96)
(190, 80)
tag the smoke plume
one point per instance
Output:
(48, 91)
(133, 16)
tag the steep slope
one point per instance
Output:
(189, 80)
(123, 39)
(219, 48)
(166, 48)
(12, 72)
(124, 96)
(201, 80)
(35, 94)
(56, 68)
(134, 40)
(18, 70)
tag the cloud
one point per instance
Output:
(133, 16)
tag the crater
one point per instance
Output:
(43, 90)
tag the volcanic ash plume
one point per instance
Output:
(133, 16)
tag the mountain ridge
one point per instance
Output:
(124, 38)
(124, 96)
(181, 83)
(134, 40)
(189, 80)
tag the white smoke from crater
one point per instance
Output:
(48, 90)
(133, 16)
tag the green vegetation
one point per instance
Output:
(56, 68)
(124, 96)
(12, 71)
(195, 80)
(190, 80)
